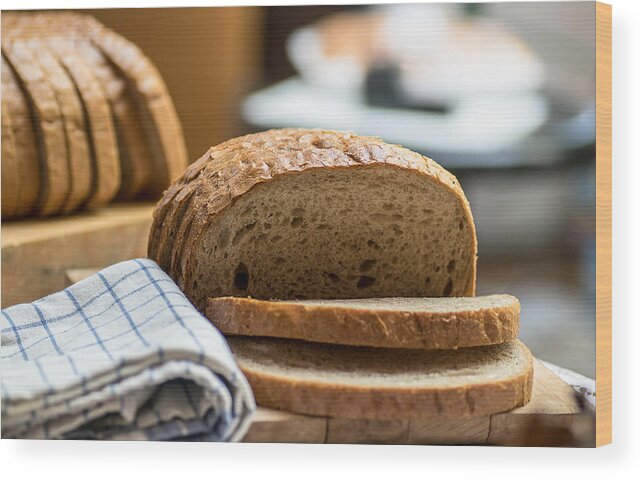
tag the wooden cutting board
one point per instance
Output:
(36, 253)
(553, 417)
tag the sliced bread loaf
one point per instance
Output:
(313, 214)
(9, 164)
(425, 323)
(79, 159)
(136, 157)
(48, 122)
(98, 118)
(375, 383)
(150, 139)
(153, 102)
(27, 157)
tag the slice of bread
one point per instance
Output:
(98, 118)
(310, 214)
(176, 195)
(386, 384)
(48, 123)
(424, 323)
(136, 158)
(78, 153)
(10, 176)
(154, 105)
(27, 156)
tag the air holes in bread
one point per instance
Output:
(365, 282)
(241, 277)
(451, 266)
(242, 233)
(224, 237)
(367, 265)
(448, 288)
(334, 278)
(372, 244)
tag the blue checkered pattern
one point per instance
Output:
(120, 355)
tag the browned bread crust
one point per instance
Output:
(416, 323)
(385, 384)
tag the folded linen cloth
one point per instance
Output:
(122, 354)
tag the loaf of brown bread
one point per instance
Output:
(311, 214)
(63, 60)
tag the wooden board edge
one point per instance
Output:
(603, 224)
(523, 426)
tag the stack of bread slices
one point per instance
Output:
(342, 269)
(86, 117)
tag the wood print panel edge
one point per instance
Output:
(603, 224)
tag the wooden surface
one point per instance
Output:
(550, 417)
(603, 224)
(36, 254)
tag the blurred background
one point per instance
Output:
(502, 95)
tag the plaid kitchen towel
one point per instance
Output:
(120, 355)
